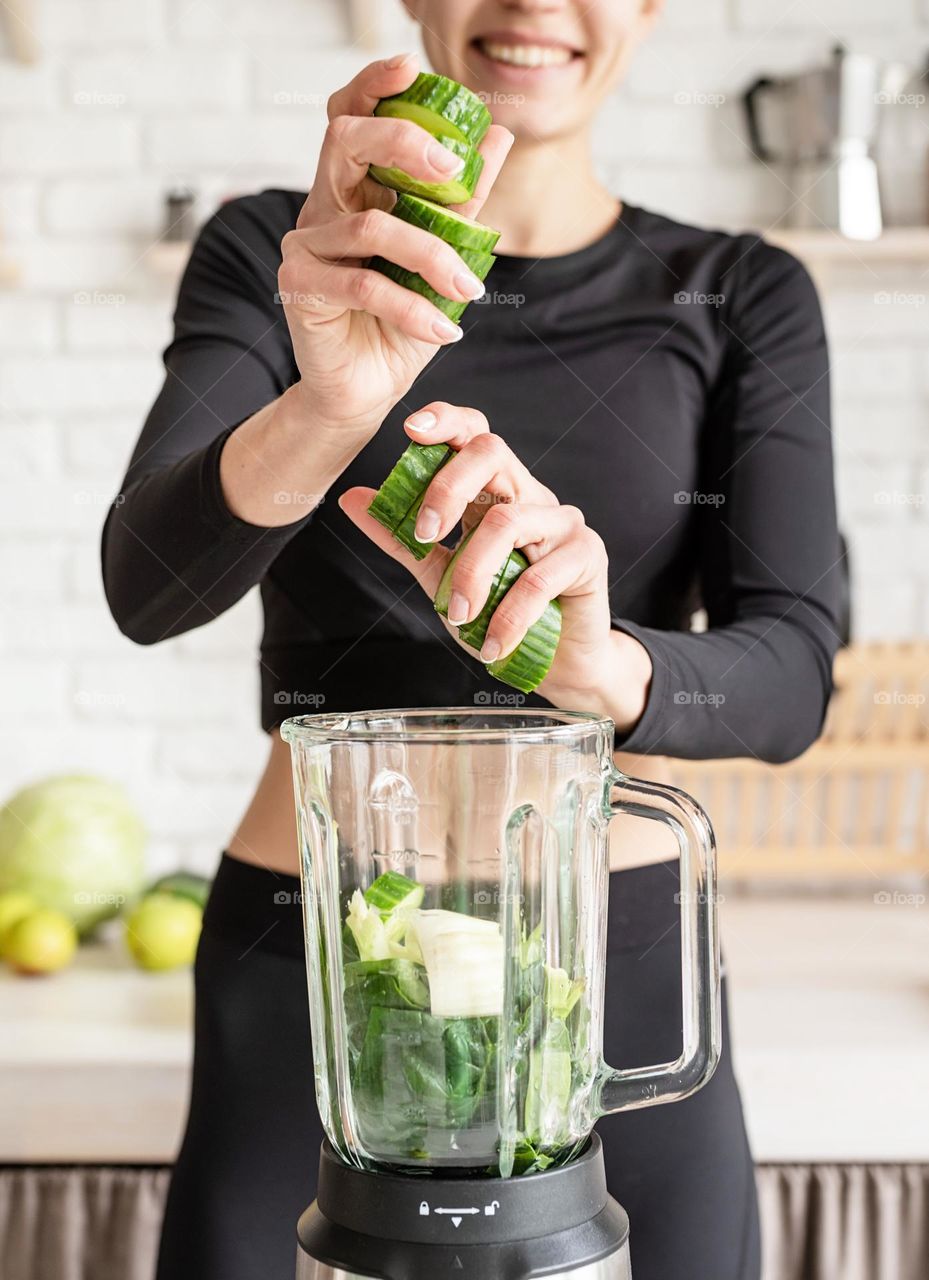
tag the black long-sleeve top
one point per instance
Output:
(669, 381)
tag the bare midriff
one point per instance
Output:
(266, 835)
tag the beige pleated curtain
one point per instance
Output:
(823, 1222)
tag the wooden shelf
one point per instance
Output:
(897, 244)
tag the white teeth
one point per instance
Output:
(527, 55)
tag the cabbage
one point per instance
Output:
(76, 845)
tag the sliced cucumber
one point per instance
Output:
(452, 190)
(479, 263)
(529, 663)
(452, 227)
(392, 891)
(441, 106)
(402, 493)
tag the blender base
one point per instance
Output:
(405, 1227)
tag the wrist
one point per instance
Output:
(299, 409)
(621, 679)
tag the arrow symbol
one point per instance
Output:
(456, 1265)
(456, 1222)
(460, 1212)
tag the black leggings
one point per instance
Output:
(247, 1167)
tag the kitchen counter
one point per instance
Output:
(830, 1014)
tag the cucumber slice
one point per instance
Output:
(392, 891)
(441, 106)
(449, 225)
(480, 263)
(452, 190)
(444, 592)
(529, 663)
(402, 493)
(475, 633)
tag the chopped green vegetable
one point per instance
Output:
(423, 997)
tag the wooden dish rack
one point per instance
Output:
(855, 807)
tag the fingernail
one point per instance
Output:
(424, 420)
(427, 525)
(490, 651)
(397, 60)
(469, 285)
(447, 331)
(457, 609)
(441, 158)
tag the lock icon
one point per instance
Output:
(424, 1210)
(491, 1209)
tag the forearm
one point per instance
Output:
(280, 464)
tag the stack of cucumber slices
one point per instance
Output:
(395, 506)
(459, 120)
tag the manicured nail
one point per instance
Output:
(446, 331)
(397, 60)
(490, 651)
(444, 160)
(424, 420)
(427, 525)
(457, 609)
(469, 285)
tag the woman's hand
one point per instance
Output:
(486, 484)
(359, 339)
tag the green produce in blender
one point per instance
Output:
(423, 997)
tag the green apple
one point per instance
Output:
(40, 942)
(163, 930)
(13, 906)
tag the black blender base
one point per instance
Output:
(396, 1227)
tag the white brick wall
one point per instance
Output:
(129, 98)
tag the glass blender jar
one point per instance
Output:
(454, 868)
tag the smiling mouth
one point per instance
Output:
(525, 54)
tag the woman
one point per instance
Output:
(658, 396)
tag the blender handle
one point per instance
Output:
(621, 1090)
